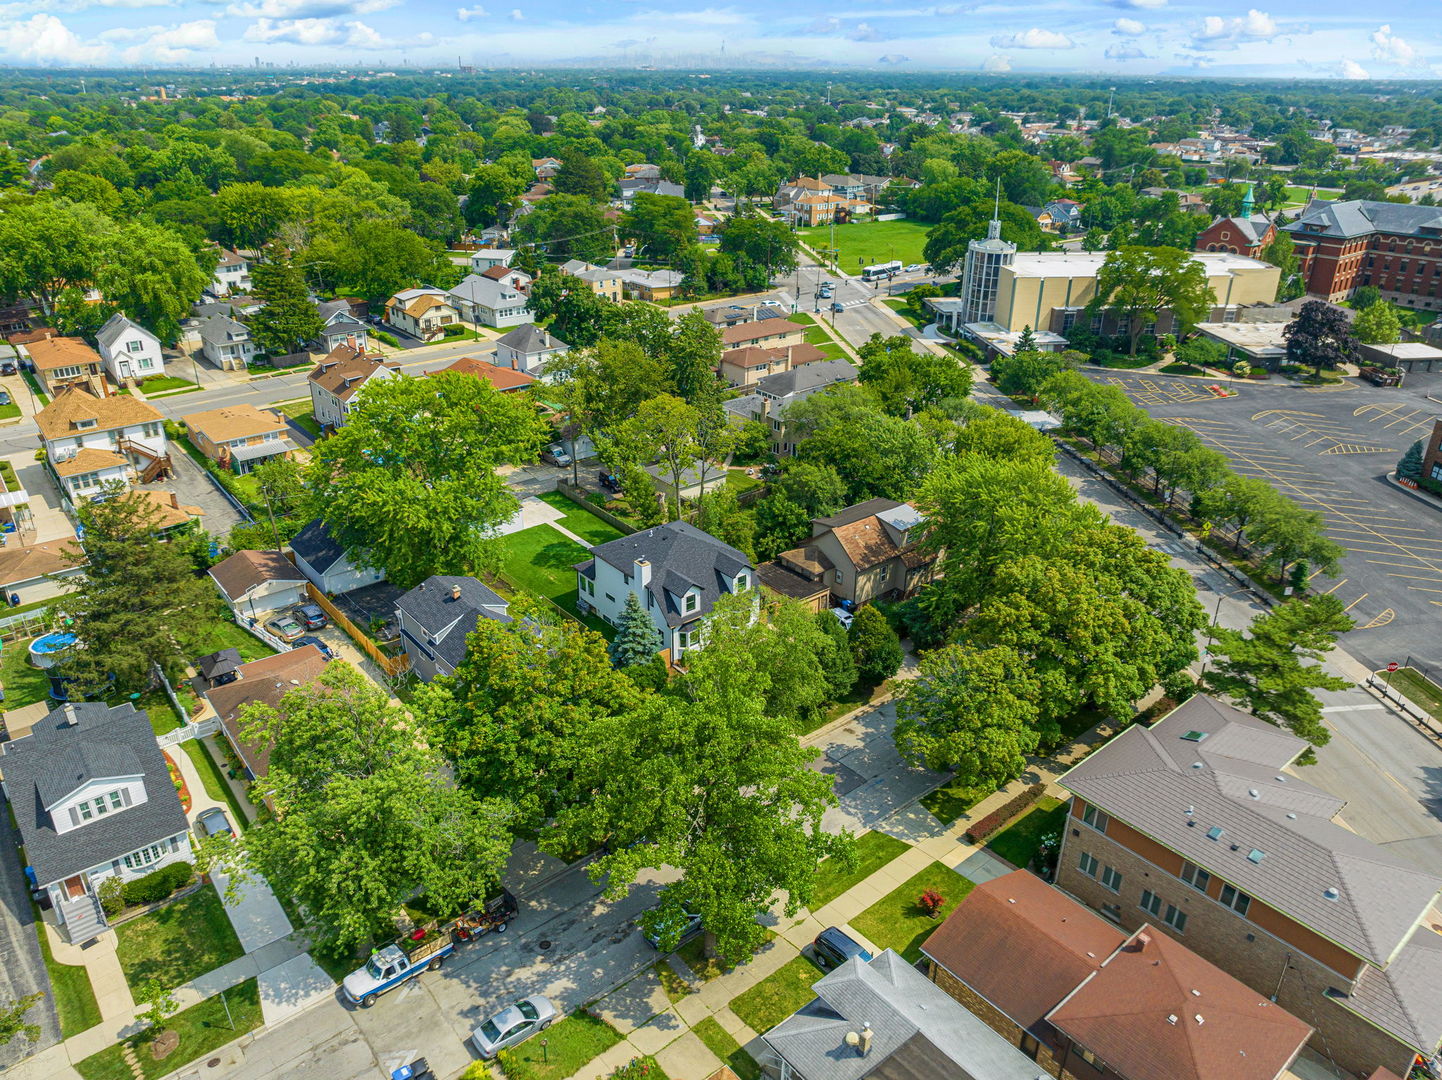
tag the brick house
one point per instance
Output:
(1195, 826)
(749, 364)
(1395, 246)
(764, 333)
(1094, 1002)
(1432, 453)
(239, 437)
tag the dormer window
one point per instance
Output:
(690, 602)
(742, 583)
(86, 423)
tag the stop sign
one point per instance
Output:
(1392, 666)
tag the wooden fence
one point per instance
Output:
(578, 496)
(391, 665)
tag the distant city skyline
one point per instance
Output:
(1295, 39)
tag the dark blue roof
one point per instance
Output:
(317, 547)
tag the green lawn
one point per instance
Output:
(721, 1043)
(157, 707)
(778, 995)
(581, 521)
(299, 411)
(873, 851)
(952, 799)
(203, 1028)
(214, 780)
(1416, 687)
(1302, 194)
(10, 411)
(693, 954)
(898, 305)
(163, 384)
(223, 633)
(573, 1042)
(34, 385)
(867, 243)
(895, 922)
(70, 988)
(24, 684)
(543, 561)
(675, 987)
(179, 941)
(1018, 842)
(738, 481)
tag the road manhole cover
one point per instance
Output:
(544, 945)
(212, 1063)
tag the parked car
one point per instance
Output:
(4, 397)
(285, 627)
(213, 822)
(513, 1025)
(7, 367)
(832, 948)
(311, 639)
(662, 930)
(843, 615)
(310, 616)
(555, 454)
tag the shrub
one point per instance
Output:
(476, 1070)
(386, 339)
(453, 330)
(1241, 369)
(112, 895)
(1003, 815)
(930, 902)
(158, 884)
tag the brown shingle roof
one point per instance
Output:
(57, 352)
(25, 337)
(752, 356)
(753, 331)
(27, 563)
(233, 422)
(265, 682)
(804, 353)
(1158, 1011)
(1019, 923)
(501, 378)
(345, 370)
(245, 570)
(169, 510)
(866, 543)
(778, 578)
(90, 459)
(74, 403)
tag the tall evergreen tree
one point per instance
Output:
(636, 638)
(840, 668)
(288, 319)
(1410, 467)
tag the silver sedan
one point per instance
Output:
(512, 1025)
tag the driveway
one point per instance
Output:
(194, 487)
(872, 782)
(22, 971)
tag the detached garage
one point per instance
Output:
(254, 582)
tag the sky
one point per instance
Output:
(1338, 39)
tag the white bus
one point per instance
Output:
(881, 270)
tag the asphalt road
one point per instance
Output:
(22, 971)
(1330, 449)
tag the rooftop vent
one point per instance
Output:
(1254, 793)
(1280, 779)
(1291, 817)
(1214, 833)
(1331, 893)
(1198, 1018)
(1198, 765)
(1196, 993)
(1194, 736)
(1172, 1019)
(1256, 856)
(1191, 810)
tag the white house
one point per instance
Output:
(337, 381)
(90, 441)
(327, 565)
(226, 343)
(436, 616)
(527, 348)
(94, 800)
(128, 350)
(421, 313)
(493, 300)
(232, 274)
(676, 571)
(486, 258)
(254, 582)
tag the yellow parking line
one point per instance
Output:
(1334, 588)
(1357, 601)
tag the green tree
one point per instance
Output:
(709, 782)
(1365, 296)
(1024, 372)
(780, 525)
(1282, 254)
(410, 482)
(946, 243)
(1320, 337)
(665, 427)
(364, 817)
(47, 246)
(719, 513)
(252, 215)
(693, 356)
(1287, 533)
(139, 603)
(13, 1022)
(159, 1001)
(906, 381)
(970, 710)
(874, 453)
(569, 227)
(761, 242)
(491, 196)
(1136, 283)
(816, 488)
(874, 646)
(661, 225)
(836, 661)
(148, 272)
(636, 639)
(377, 260)
(1272, 670)
(580, 175)
(288, 318)
(1410, 465)
(1377, 325)
(753, 442)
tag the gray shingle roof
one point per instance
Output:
(681, 557)
(1358, 217)
(56, 758)
(116, 327)
(1406, 998)
(447, 620)
(917, 1029)
(529, 338)
(221, 330)
(317, 547)
(807, 377)
(1179, 791)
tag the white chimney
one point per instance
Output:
(864, 1042)
(642, 572)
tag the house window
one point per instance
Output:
(1088, 864)
(690, 602)
(144, 857)
(135, 346)
(66, 373)
(1235, 899)
(683, 639)
(1174, 918)
(742, 583)
(1195, 876)
(1111, 879)
(1097, 819)
(1151, 902)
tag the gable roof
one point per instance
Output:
(682, 557)
(223, 330)
(754, 331)
(218, 663)
(233, 422)
(247, 569)
(488, 291)
(33, 561)
(117, 327)
(75, 403)
(264, 682)
(89, 459)
(49, 353)
(1359, 217)
(1157, 1011)
(502, 378)
(1177, 789)
(59, 754)
(807, 377)
(346, 369)
(918, 1031)
(529, 338)
(317, 547)
(446, 608)
(1018, 922)
(416, 302)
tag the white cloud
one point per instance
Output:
(1124, 52)
(996, 62)
(1129, 27)
(1146, 5)
(467, 14)
(45, 39)
(865, 32)
(892, 59)
(165, 45)
(1216, 32)
(1386, 46)
(517, 15)
(1350, 69)
(305, 9)
(315, 32)
(1035, 38)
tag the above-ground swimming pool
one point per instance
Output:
(44, 649)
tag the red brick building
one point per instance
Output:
(1239, 235)
(1395, 246)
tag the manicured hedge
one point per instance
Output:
(159, 884)
(1003, 815)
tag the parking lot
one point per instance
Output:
(1330, 448)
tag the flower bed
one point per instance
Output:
(179, 781)
(994, 821)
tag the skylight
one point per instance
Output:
(1194, 736)
(1256, 856)
(1214, 833)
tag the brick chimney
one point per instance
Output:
(455, 592)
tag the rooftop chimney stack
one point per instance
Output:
(455, 592)
(642, 572)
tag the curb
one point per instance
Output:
(1391, 478)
